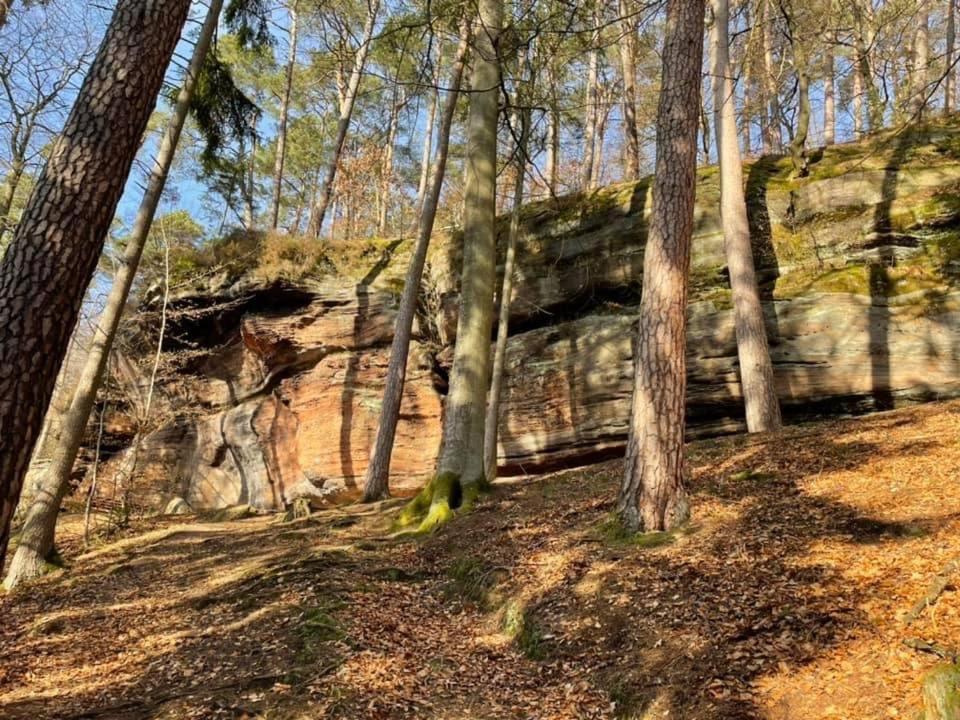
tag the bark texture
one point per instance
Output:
(628, 65)
(756, 370)
(653, 496)
(829, 102)
(284, 118)
(37, 536)
(948, 80)
(55, 249)
(376, 484)
(461, 454)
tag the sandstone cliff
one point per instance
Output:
(859, 266)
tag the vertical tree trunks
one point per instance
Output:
(919, 75)
(772, 138)
(552, 164)
(857, 103)
(950, 70)
(284, 117)
(653, 496)
(377, 479)
(349, 98)
(591, 106)
(829, 102)
(461, 452)
(428, 134)
(37, 537)
(58, 241)
(756, 370)
(628, 66)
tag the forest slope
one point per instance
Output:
(783, 599)
(278, 361)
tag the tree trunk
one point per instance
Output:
(58, 241)
(772, 138)
(587, 180)
(552, 165)
(653, 496)
(799, 143)
(40, 524)
(492, 423)
(628, 65)
(284, 117)
(921, 60)
(460, 474)
(376, 484)
(346, 112)
(857, 103)
(428, 134)
(756, 370)
(10, 184)
(951, 49)
(249, 212)
(386, 179)
(829, 103)
(5, 6)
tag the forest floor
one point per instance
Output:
(784, 599)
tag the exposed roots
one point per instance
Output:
(438, 501)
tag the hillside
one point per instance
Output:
(783, 599)
(279, 351)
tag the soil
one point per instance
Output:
(785, 598)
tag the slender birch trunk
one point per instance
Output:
(756, 370)
(284, 118)
(346, 113)
(39, 527)
(377, 481)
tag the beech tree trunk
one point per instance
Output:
(950, 73)
(37, 536)
(772, 138)
(829, 103)
(653, 495)
(346, 112)
(427, 152)
(460, 473)
(54, 252)
(284, 118)
(377, 481)
(628, 65)
(492, 422)
(591, 103)
(756, 370)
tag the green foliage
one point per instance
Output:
(249, 20)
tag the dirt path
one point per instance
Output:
(782, 600)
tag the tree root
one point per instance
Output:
(437, 503)
(942, 652)
(939, 584)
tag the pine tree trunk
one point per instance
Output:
(829, 103)
(492, 423)
(756, 370)
(346, 112)
(377, 481)
(857, 103)
(427, 152)
(461, 452)
(284, 118)
(628, 65)
(653, 496)
(39, 526)
(249, 212)
(58, 241)
(552, 165)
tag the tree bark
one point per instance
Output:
(346, 112)
(653, 496)
(921, 60)
(386, 179)
(377, 481)
(552, 165)
(772, 138)
(829, 103)
(39, 527)
(5, 6)
(284, 117)
(460, 464)
(58, 241)
(427, 152)
(756, 370)
(948, 80)
(587, 180)
(799, 143)
(857, 103)
(628, 65)
(492, 422)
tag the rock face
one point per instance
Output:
(859, 266)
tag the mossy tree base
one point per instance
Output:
(438, 502)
